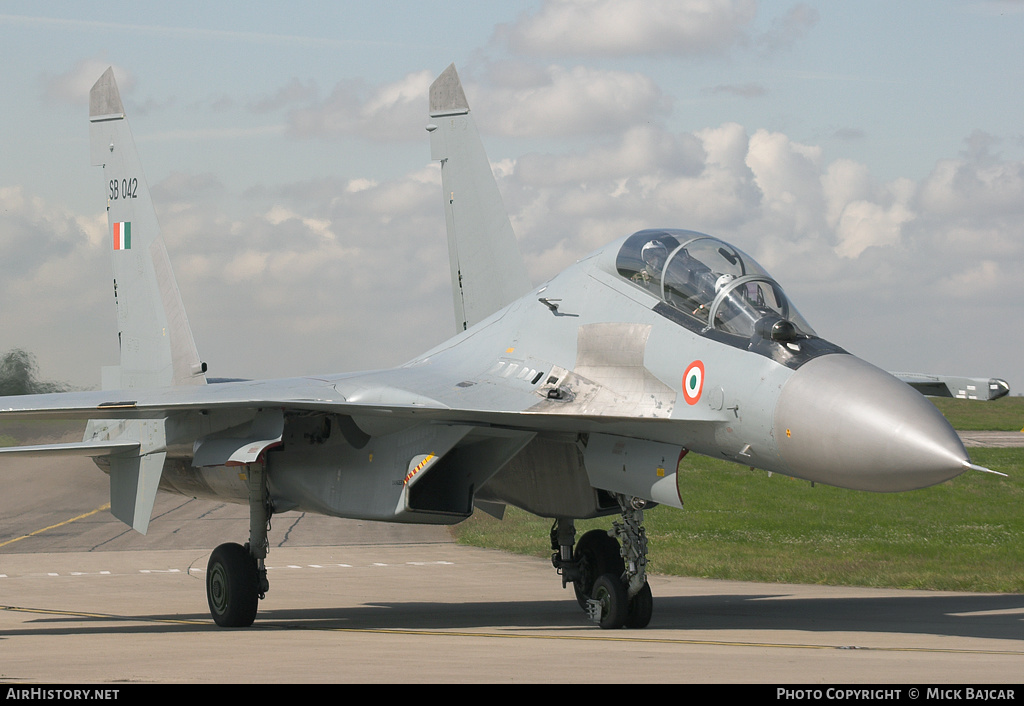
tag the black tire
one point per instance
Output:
(596, 553)
(232, 586)
(610, 592)
(641, 607)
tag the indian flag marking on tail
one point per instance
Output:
(123, 235)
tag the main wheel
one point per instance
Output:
(232, 586)
(596, 553)
(641, 606)
(611, 594)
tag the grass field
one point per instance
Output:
(965, 535)
(1006, 414)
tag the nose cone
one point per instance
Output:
(844, 422)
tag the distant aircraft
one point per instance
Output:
(960, 387)
(575, 399)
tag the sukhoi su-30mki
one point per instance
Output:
(575, 399)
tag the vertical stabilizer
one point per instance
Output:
(486, 266)
(157, 348)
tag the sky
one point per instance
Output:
(870, 155)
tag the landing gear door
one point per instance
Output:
(644, 469)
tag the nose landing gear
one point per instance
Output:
(610, 581)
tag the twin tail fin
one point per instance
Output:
(156, 344)
(487, 269)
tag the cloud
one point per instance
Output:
(295, 91)
(31, 233)
(984, 276)
(829, 230)
(789, 29)
(630, 27)
(50, 297)
(74, 85)
(356, 265)
(353, 273)
(539, 102)
(861, 214)
(974, 188)
(640, 149)
(789, 176)
(393, 111)
(573, 101)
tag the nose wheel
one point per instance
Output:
(609, 579)
(609, 602)
(595, 554)
(640, 608)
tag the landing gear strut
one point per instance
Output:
(236, 576)
(610, 582)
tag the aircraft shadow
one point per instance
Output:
(974, 616)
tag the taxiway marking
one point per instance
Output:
(59, 524)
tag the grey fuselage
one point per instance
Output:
(587, 385)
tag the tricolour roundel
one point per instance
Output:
(693, 382)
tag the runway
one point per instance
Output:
(84, 600)
(443, 613)
(992, 439)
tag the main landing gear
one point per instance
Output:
(236, 577)
(610, 582)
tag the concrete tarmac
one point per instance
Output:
(992, 439)
(85, 600)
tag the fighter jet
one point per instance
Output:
(574, 399)
(986, 389)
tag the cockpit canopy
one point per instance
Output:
(710, 281)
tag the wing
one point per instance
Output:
(421, 458)
(369, 398)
